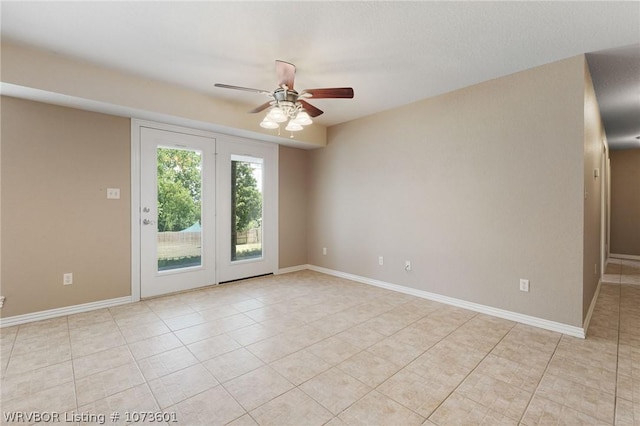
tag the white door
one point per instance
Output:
(177, 211)
(247, 208)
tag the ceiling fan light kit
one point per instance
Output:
(285, 107)
(269, 124)
(287, 104)
(277, 115)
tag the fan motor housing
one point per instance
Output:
(285, 95)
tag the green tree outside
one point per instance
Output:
(248, 199)
(246, 207)
(179, 189)
(179, 192)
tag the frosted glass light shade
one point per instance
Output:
(303, 118)
(276, 115)
(293, 126)
(268, 124)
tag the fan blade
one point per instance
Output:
(261, 107)
(334, 92)
(245, 89)
(311, 110)
(286, 73)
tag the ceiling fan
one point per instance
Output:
(287, 104)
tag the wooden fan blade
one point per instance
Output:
(311, 110)
(334, 92)
(245, 89)
(261, 107)
(286, 73)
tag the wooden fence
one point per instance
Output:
(250, 236)
(191, 238)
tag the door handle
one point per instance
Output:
(148, 222)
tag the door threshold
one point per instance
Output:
(245, 278)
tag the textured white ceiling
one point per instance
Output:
(391, 53)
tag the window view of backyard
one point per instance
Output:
(179, 208)
(246, 208)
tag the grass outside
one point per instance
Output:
(173, 255)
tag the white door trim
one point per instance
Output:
(603, 208)
(227, 147)
(136, 126)
(154, 280)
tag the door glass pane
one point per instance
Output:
(179, 208)
(246, 208)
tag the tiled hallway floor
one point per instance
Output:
(310, 349)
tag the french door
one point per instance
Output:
(177, 215)
(207, 209)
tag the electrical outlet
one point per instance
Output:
(324, 251)
(380, 260)
(407, 265)
(2, 301)
(113, 193)
(67, 279)
(524, 285)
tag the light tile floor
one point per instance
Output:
(310, 349)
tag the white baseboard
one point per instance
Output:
(60, 312)
(293, 269)
(624, 256)
(500, 313)
(592, 306)
(569, 330)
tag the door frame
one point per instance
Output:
(154, 282)
(226, 148)
(605, 207)
(136, 125)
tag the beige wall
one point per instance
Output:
(293, 194)
(594, 154)
(625, 202)
(37, 69)
(477, 188)
(56, 165)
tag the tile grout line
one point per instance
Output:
(557, 351)
(615, 390)
(294, 385)
(546, 368)
(13, 346)
(403, 367)
(73, 369)
(467, 375)
(471, 372)
(146, 382)
(363, 350)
